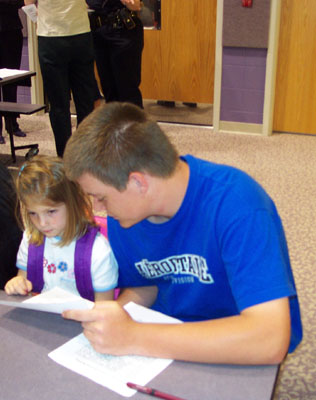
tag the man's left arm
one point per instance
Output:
(259, 335)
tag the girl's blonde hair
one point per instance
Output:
(43, 179)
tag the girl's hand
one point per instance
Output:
(133, 5)
(18, 285)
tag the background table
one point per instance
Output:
(9, 109)
(27, 372)
(19, 77)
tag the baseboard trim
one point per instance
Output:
(240, 128)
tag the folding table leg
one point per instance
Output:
(10, 131)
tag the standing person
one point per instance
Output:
(10, 231)
(60, 246)
(206, 237)
(65, 51)
(11, 43)
(118, 38)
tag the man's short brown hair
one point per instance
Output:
(115, 140)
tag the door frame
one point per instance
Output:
(271, 68)
(37, 89)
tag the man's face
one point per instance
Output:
(124, 206)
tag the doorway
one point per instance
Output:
(179, 63)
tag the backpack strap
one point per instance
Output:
(35, 269)
(83, 253)
(102, 222)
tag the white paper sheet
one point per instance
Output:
(6, 72)
(55, 300)
(114, 372)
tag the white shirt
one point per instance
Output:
(62, 17)
(59, 264)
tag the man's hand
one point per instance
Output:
(133, 5)
(18, 285)
(259, 335)
(107, 326)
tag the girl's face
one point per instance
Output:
(49, 219)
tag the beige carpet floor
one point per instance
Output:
(285, 165)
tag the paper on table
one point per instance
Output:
(55, 300)
(6, 72)
(114, 372)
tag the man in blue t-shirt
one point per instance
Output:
(195, 240)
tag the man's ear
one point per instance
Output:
(138, 181)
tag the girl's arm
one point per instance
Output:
(19, 284)
(103, 296)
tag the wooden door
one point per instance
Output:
(178, 61)
(295, 97)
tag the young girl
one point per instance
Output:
(61, 245)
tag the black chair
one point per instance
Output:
(10, 109)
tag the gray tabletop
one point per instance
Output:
(17, 78)
(27, 372)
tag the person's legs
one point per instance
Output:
(126, 56)
(81, 74)
(118, 55)
(53, 55)
(11, 43)
(103, 61)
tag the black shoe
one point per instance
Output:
(15, 127)
(166, 103)
(2, 140)
(191, 105)
(19, 133)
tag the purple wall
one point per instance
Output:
(24, 92)
(243, 84)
